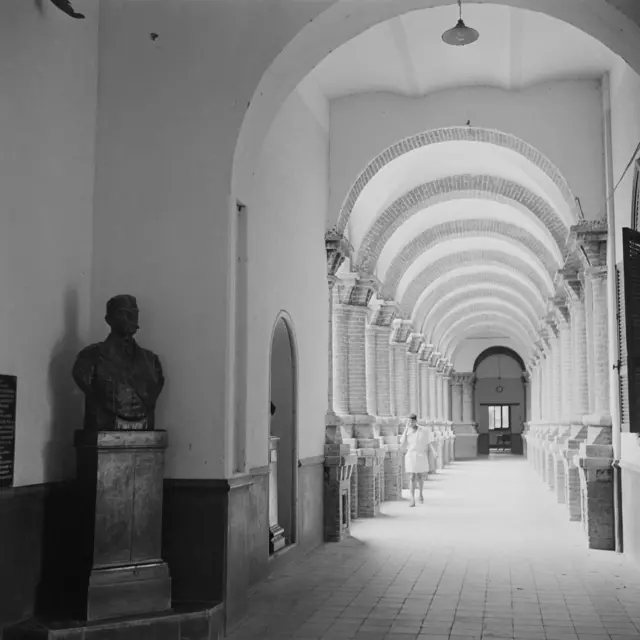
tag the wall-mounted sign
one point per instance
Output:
(8, 388)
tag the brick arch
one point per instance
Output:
(481, 278)
(439, 267)
(434, 315)
(489, 320)
(472, 307)
(461, 229)
(453, 134)
(457, 342)
(466, 186)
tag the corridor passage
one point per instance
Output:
(490, 554)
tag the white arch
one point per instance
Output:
(437, 161)
(483, 317)
(461, 210)
(485, 268)
(480, 304)
(463, 245)
(478, 292)
(485, 330)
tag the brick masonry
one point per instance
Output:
(447, 134)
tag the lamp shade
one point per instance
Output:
(460, 35)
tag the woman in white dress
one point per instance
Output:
(417, 441)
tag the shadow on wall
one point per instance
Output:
(65, 399)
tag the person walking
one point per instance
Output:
(417, 440)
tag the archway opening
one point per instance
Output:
(500, 401)
(283, 437)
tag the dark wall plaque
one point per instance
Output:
(8, 387)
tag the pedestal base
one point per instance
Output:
(128, 590)
(276, 538)
(466, 441)
(201, 624)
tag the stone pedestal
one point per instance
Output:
(369, 490)
(466, 441)
(596, 483)
(572, 471)
(120, 479)
(276, 532)
(339, 463)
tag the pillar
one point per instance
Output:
(340, 460)
(596, 452)
(353, 295)
(456, 399)
(466, 435)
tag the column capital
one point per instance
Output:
(441, 365)
(467, 377)
(597, 273)
(356, 289)
(384, 313)
(560, 308)
(338, 249)
(425, 353)
(400, 331)
(414, 343)
(433, 359)
(588, 240)
(456, 379)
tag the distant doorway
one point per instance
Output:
(500, 401)
(283, 424)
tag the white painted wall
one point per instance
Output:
(562, 119)
(287, 271)
(47, 124)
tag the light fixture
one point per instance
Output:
(460, 35)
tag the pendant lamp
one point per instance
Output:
(460, 35)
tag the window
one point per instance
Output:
(499, 417)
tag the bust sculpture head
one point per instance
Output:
(122, 315)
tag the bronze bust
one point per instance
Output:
(121, 380)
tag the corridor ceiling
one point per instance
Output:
(464, 227)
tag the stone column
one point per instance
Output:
(556, 400)
(400, 369)
(340, 459)
(354, 294)
(466, 442)
(424, 377)
(381, 334)
(414, 343)
(433, 393)
(596, 453)
(456, 399)
(565, 366)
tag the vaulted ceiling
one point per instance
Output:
(464, 227)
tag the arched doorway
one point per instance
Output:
(500, 401)
(283, 431)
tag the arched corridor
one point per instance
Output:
(331, 227)
(489, 555)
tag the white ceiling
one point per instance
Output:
(406, 55)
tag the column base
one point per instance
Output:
(276, 538)
(339, 464)
(369, 490)
(393, 474)
(466, 441)
(596, 484)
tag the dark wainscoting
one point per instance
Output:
(21, 525)
(631, 510)
(38, 535)
(215, 540)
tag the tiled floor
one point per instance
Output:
(489, 555)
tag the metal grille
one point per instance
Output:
(635, 206)
(622, 354)
(631, 278)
